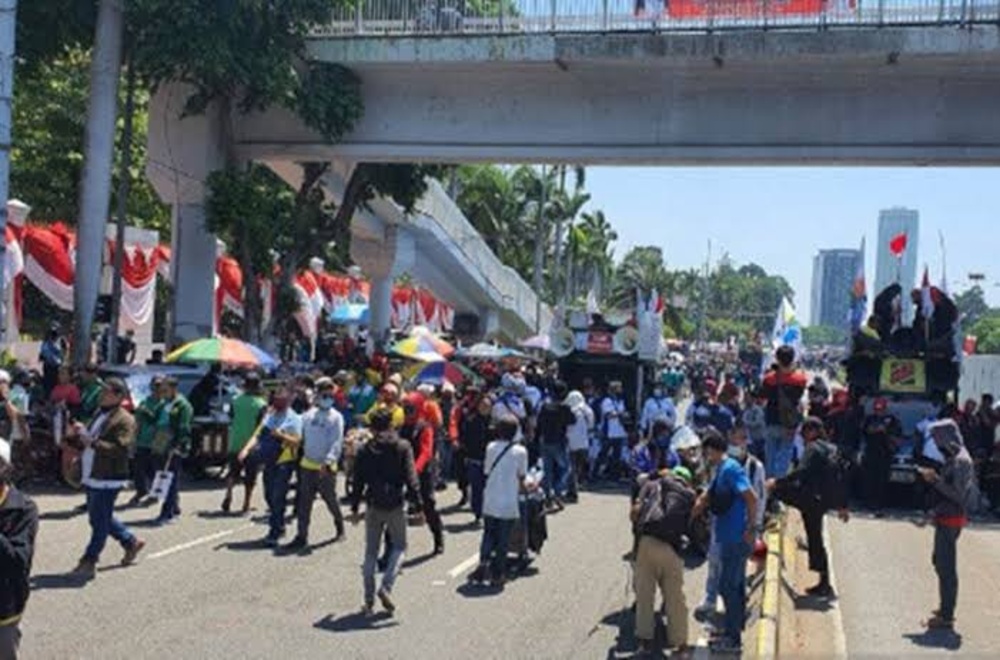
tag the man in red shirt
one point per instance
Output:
(783, 387)
(419, 432)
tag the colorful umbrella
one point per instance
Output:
(485, 351)
(350, 314)
(423, 347)
(540, 342)
(222, 350)
(436, 373)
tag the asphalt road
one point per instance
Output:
(203, 588)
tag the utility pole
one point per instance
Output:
(703, 312)
(540, 253)
(8, 23)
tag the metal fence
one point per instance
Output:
(448, 17)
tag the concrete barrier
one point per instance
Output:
(770, 616)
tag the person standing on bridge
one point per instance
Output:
(954, 486)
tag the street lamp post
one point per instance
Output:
(8, 23)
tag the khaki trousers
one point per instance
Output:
(657, 564)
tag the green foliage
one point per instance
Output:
(329, 100)
(972, 306)
(823, 335)
(987, 332)
(47, 28)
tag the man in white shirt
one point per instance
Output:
(657, 407)
(506, 467)
(614, 434)
(322, 442)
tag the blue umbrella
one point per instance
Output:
(350, 314)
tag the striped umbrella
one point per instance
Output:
(425, 348)
(436, 373)
(223, 350)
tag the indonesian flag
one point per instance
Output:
(898, 245)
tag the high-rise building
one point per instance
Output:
(890, 269)
(833, 277)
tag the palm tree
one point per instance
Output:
(597, 255)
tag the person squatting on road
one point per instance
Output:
(812, 489)
(322, 442)
(18, 528)
(954, 488)
(660, 517)
(105, 461)
(384, 473)
(731, 500)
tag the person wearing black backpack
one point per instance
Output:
(660, 516)
(816, 486)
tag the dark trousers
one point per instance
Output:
(277, 478)
(493, 549)
(579, 466)
(172, 505)
(945, 562)
(101, 513)
(431, 514)
(812, 520)
(875, 465)
(143, 470)
(610, 457)
(325, 483)
(477, 482)
(459, 466)
(10, 641)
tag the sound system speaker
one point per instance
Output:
(465, 324)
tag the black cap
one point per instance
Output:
(116, 385)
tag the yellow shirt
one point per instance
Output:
(398, 416)
(306, 464)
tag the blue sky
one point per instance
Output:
(780, 217)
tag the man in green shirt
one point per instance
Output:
(248, 410)
(147, 417)
(173, 442)
(90, 394)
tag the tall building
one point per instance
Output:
(890, 269)
(833, 277)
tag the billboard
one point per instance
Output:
(743, 8)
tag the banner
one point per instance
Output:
(743, 8)
(902, 376)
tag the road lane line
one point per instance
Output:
(839, 636)
(464, 566)
(199, 541)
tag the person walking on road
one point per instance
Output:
(322, 442)
(18, 528)
(248, 410)
(808, 489)
(954, 487)
(420, 434)
(106, 442)
(578, 436)
(554, 420)
(173, 442)
(474, 438)
(147, 416)
(384, 473)
(732, 501)
(660, 516)
(506, 469)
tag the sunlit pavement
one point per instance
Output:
(204, 588)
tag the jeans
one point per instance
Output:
(393, 524)
(10, 641)
(143, 471)
(493, 549)
(610, 457)
(713, 579)
(733, 587)
(945, 562)
(276, 480)
(101, 512)
(477, 483)
(778, 451)
(579, 470)
(556, 470)
(172, 504)
(325, 483)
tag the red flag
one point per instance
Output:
(898, 245)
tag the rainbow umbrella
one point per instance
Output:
(223, 350)
(424, 348)
(436, 373)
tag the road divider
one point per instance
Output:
(767, 628)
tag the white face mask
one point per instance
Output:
(738, 452)
(325, 403)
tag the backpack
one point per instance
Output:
(665, 511)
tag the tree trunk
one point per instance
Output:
(95, 188)
(124, 186)
(252, 304)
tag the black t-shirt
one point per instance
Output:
(554, 421)
(879, 430)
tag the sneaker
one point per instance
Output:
(163, 522)
(298, 543)
(271, 541)
(937, 622)
(135, 501)
(821, 590)
(479, 576)
(439, 547)
(498, 581)
(704, 612)
(132, 552)
(462, 502)
(227, 504)
(368, 609)
(85, 569)
(385, 598)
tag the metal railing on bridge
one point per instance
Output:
(510, 17)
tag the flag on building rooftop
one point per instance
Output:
(859, 293)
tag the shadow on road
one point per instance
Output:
(244, 546)
(626, 645)
(805, 602)
(220, 515)
(946, 640)
(419, 561)
(356, 621)
(57, 516)
(58, 581)
(470, 526)
(470, 590)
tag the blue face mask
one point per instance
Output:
(325, 403)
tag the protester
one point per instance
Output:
(172, 443)
(147, 417)
(783, 387)
(13, 423)
(578, 436)
(247, 412)
(731, 499)
(755, 422)
(506, 468)
(90, 393)
(106, 441)
(880, 431)
(322, 443)
(658, 406)
(462, 409)
(125, 348)
(274, 446)
(808, 489)
(554, 420)
(361, 397)
(614, 430)
(474, 438)
(51, 355)
(383, 469)
(65, 392)
(660, 518)
(954, 485)
(420, 434)
(18, 528)
(388, 401)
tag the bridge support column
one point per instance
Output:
(192, 269)
(489, 322)
(381, 260)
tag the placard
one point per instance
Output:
(903, 376)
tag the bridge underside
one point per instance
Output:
(911, 96)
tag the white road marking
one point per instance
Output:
(199, 541)
(438, 583)
(839, 637)
(464, 566)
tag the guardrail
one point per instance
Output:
(495, 17)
